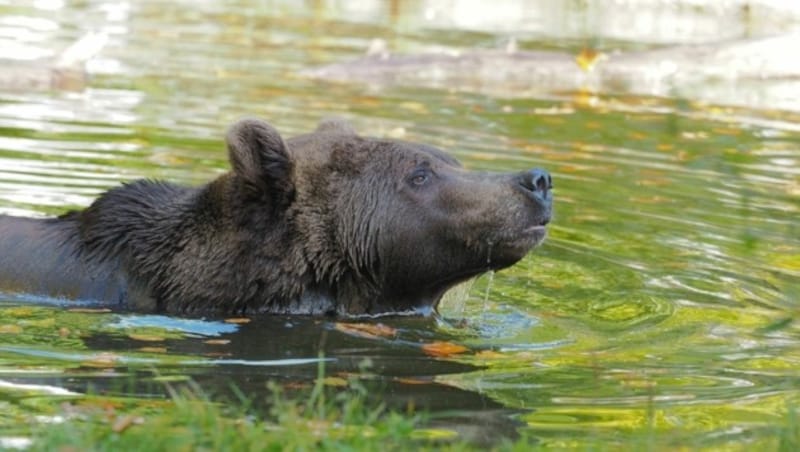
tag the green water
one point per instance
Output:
(664, 300)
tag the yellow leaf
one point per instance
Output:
(786, 261)
(587, 58)
(123, 422)
(434, 434)
(443, 349)
(238, 320)
(217, 341)
(334, 381)
(145, 337)
(90, 310)
(727, 131)
(416, 107)
(102, 360)
(415, 380)
(650, 199)
(366, 330)
(585, 97)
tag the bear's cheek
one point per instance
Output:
(428, 268)
(423, 249)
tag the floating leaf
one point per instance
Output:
(415, 380)
(334, 381)
(650, 199)
(237, 320)
(443, 349)
(585, 97)
(122, 423)
(785, 259)
(145, 337)
(587, 58)
(415, 107)
(296, 385)
(102, 360)
(727, 131)
(217, 341)
(434, 434)
(90, 310)
(367, 330)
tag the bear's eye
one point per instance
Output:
(419, 177)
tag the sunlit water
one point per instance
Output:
(663, 298)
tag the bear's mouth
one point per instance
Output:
(497, 254)
(508, 250)
(536, 234)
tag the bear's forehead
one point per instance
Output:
(333, 146)
(424, 152)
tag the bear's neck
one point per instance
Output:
(240, 253)
(193, 249)
(354, 297)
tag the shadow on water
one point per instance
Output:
(665, 297)
(148, 356)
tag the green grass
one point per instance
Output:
(331, 415)
(191, 421)
(324, 420)
(789, 432)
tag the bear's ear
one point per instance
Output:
(335, 125)
(258, 155)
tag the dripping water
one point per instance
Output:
(490, 278)
(454, 301)
(486, 293)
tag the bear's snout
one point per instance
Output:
(537, 185)
(538, 182)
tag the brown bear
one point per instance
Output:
(324, 223)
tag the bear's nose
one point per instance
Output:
(537, 181)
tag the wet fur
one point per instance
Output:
(323, 223)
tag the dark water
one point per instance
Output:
(664, 298)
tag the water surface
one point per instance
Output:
(664, 297)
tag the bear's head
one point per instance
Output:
(384, 226)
